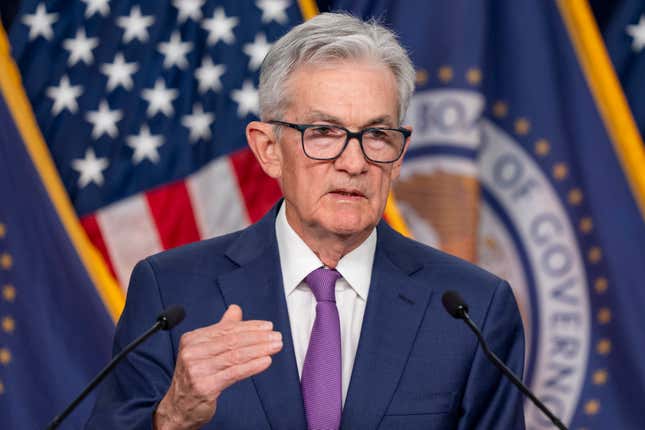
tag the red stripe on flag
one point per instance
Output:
(91, 227)
(173, 214)
(259, 190)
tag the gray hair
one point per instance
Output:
(331, 37)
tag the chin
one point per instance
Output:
(344, 225)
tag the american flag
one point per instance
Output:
(143, 106)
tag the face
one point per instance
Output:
(346, 196)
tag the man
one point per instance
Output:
(319, 316)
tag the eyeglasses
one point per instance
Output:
(327, 142)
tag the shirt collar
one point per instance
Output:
(297, 260)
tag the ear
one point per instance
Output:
(263, 143)
(396, 168)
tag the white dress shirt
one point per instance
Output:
(297, 260)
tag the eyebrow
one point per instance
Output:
(325, 117)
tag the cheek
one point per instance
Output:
(383, 182)
(303, 183)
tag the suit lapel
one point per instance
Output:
(257, 287)
(395, 308)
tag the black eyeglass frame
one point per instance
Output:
(350, 135)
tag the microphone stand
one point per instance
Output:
(161, 323)
(509, 374)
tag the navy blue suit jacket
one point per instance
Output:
(415, 368)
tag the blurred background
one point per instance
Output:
(602, 10)
(122, 135)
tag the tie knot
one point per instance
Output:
(323, 284)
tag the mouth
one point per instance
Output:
(348, 193)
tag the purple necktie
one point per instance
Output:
(321, 372)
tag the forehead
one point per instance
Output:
(354, 92)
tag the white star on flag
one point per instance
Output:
(175, 51)
(80, 48)
(90, 168)
(160, 99)
(273, 10)
(208, 75)
(94, 6)
(40, 23)
(220, 27)
(119, 73)
(64, 96)
(104, 121)
(188, 9)
(246, 99)
(198, 123)
(135, 26)
(257, 51)
(637, 32)
(145, 145)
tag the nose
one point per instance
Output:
(352, 159)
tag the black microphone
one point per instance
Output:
(166, 320)
(456, 307)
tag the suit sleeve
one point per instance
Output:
(490, 401)
(129, 395)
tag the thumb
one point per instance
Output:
(233, 313)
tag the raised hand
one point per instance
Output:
(211, 359)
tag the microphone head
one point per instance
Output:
(454, 304)
(171, 316)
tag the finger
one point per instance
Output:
(227, 377)
(208, 347)
(233, 313)
(213, 365)
(226, 328)
(245, 354)
(210, 332)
